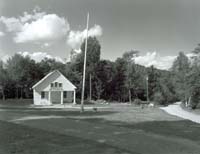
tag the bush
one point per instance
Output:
(137, 101)
(195, 98)
(194, 102)
(78, 101)
(158, 98)
(100, 101)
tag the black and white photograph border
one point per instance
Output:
(99, 77)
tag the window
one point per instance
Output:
(60, 84)
(56, 84)
(65, 94)
(51, 84)
(42, 94)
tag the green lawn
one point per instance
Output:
(123, 130)
(18, 139)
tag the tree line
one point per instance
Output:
(122, 80)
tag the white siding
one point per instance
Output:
(45, 85)
(38, 100)
(36, 97)
(66, 85)
(45, 101)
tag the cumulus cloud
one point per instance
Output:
(153, 58)
(2, 33)
(75, 38)
(46, 44)
(39, 56)
(28, 17)
(38, 26)
(5, 58)
(77, 50)
(12, 24)
(49, 27)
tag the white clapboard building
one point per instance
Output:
(54, 88)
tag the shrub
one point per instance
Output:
(100, 101)
(137, 101)
(78, 101)
(195, 98)
(158, 98)
(194, 102)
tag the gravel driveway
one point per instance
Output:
(176, 109)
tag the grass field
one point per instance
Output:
(118, 129)
(18, 139)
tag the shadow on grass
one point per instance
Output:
(26, 109)
(56, 112)
(20, 139)
(184, 129)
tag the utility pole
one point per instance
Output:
(90, 87)
(147, 84)
(84, 67)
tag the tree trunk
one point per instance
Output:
(17, 93)
(189, 101)
(129, 94)
(99, 96)
(3, 94)
(21, 93)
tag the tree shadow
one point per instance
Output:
(183, 128)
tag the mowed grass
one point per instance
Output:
(18, 139)
(96, 132)
(184, 129)
(116, 137)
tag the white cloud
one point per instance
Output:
(190, 55)
(75, 38)
(152, 58)
(49, 27)
(46, 44)
(2, 34)
(38, 26)
(73, 54)
(5, 58)
(39, 56)
(28, 17)
(12, 24)
(77, 50)
(149, 59)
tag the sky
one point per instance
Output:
(159, 29)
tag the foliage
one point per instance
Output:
(153, 82)
(137, 101)
(121, 80)
(131, 75)
(194, 86)
(180, 69)
(3, 80)
(93, 57)
(158, 98)
(103, 79)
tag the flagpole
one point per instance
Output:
(147, 84)
(84, 66)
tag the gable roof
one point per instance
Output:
(47, 76)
